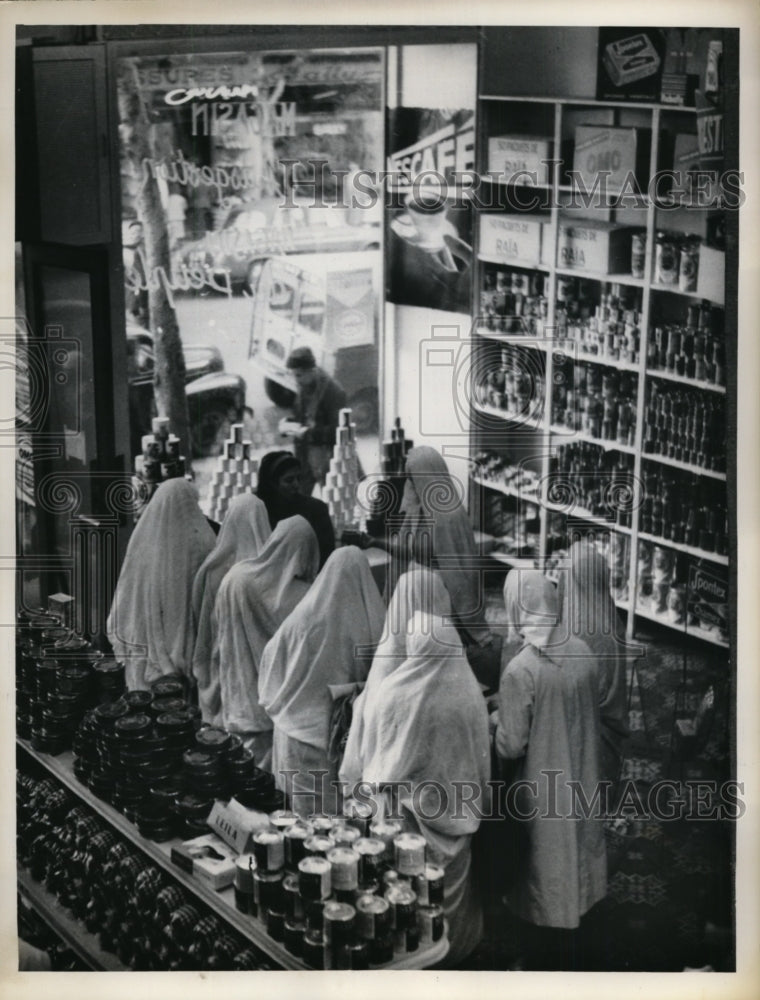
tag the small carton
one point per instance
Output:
(521, 159)
(207, 858)
(511, 239)
(236, 824)
(711, 279)
(594, 246)
(613, 157)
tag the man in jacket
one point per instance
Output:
(316, 414)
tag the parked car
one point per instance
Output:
(230, 258)
(215, 398)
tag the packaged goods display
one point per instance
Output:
(513, 301)
(511, 239)
(586, 479)
(597, 401)
(520, 159)
(693, 348)
(603, 320)
(685, 425)
(339, 490)
(160, 458)
(513, 382)
(236, 472)
(594, 246)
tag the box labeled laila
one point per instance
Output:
(520, 159)
(595, 246)
(515, 239)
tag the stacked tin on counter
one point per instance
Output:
(342, 892)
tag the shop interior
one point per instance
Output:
(326, 339)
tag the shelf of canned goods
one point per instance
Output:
(139, 910)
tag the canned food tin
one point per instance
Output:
(409, 853)
(295, 838)
(354, 956)
(137, 701)
(281, 819)
(666, 261)
(344, 865)
(245, 902)
(294, 908)
(371, 851)
(211, 740)
(430, 924)
(318, 845)
(403, 904)
(689, 266)
(269, 849)
(321, 824)
(638, 254)
(315, 877)
(275, 920)
(343, 835)
(293, 936)
(387, 831)
(245, 866)
(267, 890)
(313, 910)
(381, 950)
(168, 687)
(373, 917)
(337, 923)
(428, 886)
(312, 949)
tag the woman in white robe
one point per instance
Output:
(328, 640)
(254, 599)
(427, 727)
(150, 625)
(243, 534)
(548, 721)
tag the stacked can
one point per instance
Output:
(29, 626)
(109, 680)
(339, 948)
(372, 854)
(269, 852)
(344, 873)
(130, 735)
(359, 814)
(295, 837)
(315, 888)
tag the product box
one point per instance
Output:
(510, 155)
(591, 245)
(207, 858)
(630, 64)
(511, 239)
(707, 600)
(236, 824)
(711, 279)
(620, 155)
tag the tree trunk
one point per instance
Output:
(169, 376)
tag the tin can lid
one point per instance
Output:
(267, 837)
(314, 865)
(283, 818)
(341, 832)
(368, 903)
(338, 912)
(342, 856)
(133, 723)
(212, 739)
(317, 843)
(400, 892)
(370, 845)
(410, 841)
(298, 831)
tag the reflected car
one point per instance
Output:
(215, 398)
(230, 258)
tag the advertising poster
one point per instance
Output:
(429, 237)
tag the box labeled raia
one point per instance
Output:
(511, 239)
(594, 246)
(520, 159)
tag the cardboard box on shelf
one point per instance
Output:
(630, 64)
(612, 157)
(511, 239)
(517, 156)
(711, 279)
(208, 858)
(594, 246)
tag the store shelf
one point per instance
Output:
(689, 383)
(524, 265)
(687, 295)
(585, 102)
(490, 484)
(692, 630)
(221, 902)
(684, 466)
(690, 550)
(514, 418)
(533, 341)
(566, 432)
(594, 359)
(586, 515)
(67, 927)
(613, 279)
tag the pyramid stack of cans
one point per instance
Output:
(160, 458)
(389, 492)
(341, 893)
(137, 910)
(59, 677)
(236, 472)
(339, 491)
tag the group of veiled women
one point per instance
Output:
(271, 624)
